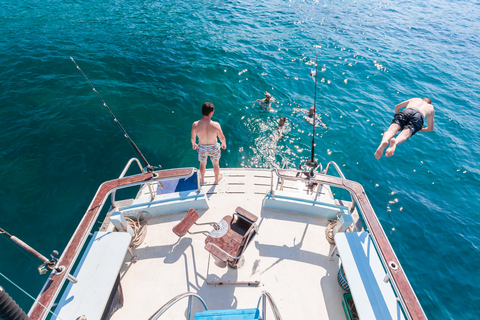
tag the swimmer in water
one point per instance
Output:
(309, 117)
(280, 129)
(265, 103)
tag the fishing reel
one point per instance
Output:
(311, 167)
(150, 169)
(49, 265)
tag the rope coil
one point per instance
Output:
(329, 231)
(139, 227)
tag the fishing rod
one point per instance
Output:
(9, 309)
(313, 163)
(148, 167)
(48, 264)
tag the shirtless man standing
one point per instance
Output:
(410, 120)
(207, 132)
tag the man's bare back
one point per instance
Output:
(207, 131)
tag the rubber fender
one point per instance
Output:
(9, 309)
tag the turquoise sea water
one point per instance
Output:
(156, 62)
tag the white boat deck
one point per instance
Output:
(289, 258)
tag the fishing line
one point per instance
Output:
(148, 167)
(28, 295)
(17, 246)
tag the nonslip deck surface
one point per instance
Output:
(289, 257)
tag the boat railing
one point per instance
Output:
(391, 264)
(335, 165)
(149, 184)
(127, 166)
(307, 179)
(70, 254)
(174, 300)
(340, 173)
(266, 296)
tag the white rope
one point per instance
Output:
(139, 228)
(329, 231)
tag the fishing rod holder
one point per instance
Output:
(49, 265)
(310, 163)
(310, 168)
(313, 165)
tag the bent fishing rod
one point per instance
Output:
(148, 167)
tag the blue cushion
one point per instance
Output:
(234, 314)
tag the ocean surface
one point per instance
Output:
(156, 62)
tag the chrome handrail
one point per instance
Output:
(308, 180)
(339, 171)
(287, 177)
(170, 303)
(127, 166)
(152, 194)
(155, 179)
(336, 167)
(266, 295)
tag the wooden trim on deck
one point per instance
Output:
(54, 283)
